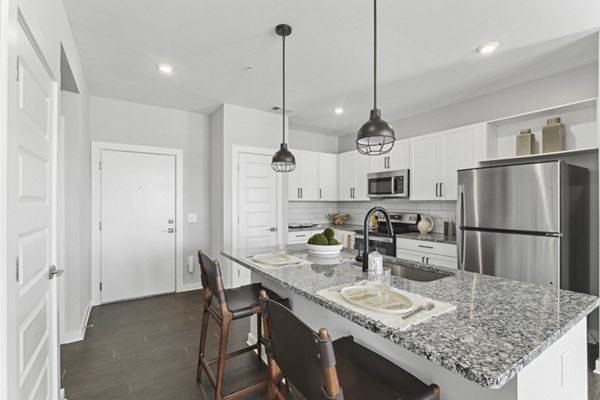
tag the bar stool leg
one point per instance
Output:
(203, 334)
(222, 354)
(258, 336)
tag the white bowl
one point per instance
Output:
(333, 250)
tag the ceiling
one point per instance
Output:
(427, 55)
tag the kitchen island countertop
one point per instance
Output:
(499, 326)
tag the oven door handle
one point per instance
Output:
(376, 239)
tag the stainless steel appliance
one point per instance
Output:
(388, 184)
(526, 222)
(379, 237)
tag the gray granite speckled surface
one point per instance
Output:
(428, 237)
(498, 328)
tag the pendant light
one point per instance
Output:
(376, 136)
(283, 160)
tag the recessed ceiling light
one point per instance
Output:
(165, 68)
(488, 47)
(338, 110)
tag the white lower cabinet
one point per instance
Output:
(425, 252)
(299, 237)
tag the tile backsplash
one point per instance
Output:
(439, 211)
(310, 211)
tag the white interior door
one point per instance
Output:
(257, 207)
(137, 224)
(33, 312)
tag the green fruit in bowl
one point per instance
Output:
(318, 239)
(333, 242)
(329, 233)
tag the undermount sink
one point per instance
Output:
(415, 274)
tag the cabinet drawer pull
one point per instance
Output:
(425, 247)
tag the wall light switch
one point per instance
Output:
(193, 217)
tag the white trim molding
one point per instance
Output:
(77, 335)
(97, 148)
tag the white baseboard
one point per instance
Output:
(62, 394)
(77, 335)
(597, 369)
(186, 287)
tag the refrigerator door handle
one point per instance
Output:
(460, 242)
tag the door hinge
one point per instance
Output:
(100, 165)
(18, 69)
(17, 269)
(100, 286)
(100, 225)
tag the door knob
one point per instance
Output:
(170, 230)
(272, 229)
(53, 271)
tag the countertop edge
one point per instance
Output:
(385, 332)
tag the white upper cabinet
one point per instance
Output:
(457, 151)
(435, 159)
(328, 177)
(361, 169)
(303, 182)
(346, 175)
(397, 158)
(424, 168)
(315, 177)
(352, 176)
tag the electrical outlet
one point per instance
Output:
(564, 365)
(193, 217)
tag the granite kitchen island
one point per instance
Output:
(504, 340)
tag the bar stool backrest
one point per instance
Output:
(297, 350)
(210, 272)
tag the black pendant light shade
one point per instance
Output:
(376, 136)
(283, 160)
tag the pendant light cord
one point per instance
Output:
(375, 54)
(283, 113)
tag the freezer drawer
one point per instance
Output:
(526, 258)
(517, 198)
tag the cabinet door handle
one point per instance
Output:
(441, 185)
(320, 193)
(427, 259)
(301, 193)
(298, 195)
(423, 260)
(437, 188)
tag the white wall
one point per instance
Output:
(312, 141)
(576, 84)
(131, 123)
(235, 126)
(74, 220)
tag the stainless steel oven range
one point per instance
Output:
(378, 237)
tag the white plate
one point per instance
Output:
(325, 250)
(272, 259)
(377, 298)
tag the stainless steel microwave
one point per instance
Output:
(388, 184)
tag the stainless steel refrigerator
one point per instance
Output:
(526, 222)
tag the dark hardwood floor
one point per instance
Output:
(148, 349)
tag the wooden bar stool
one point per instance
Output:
(232, 304)
(313, 363)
